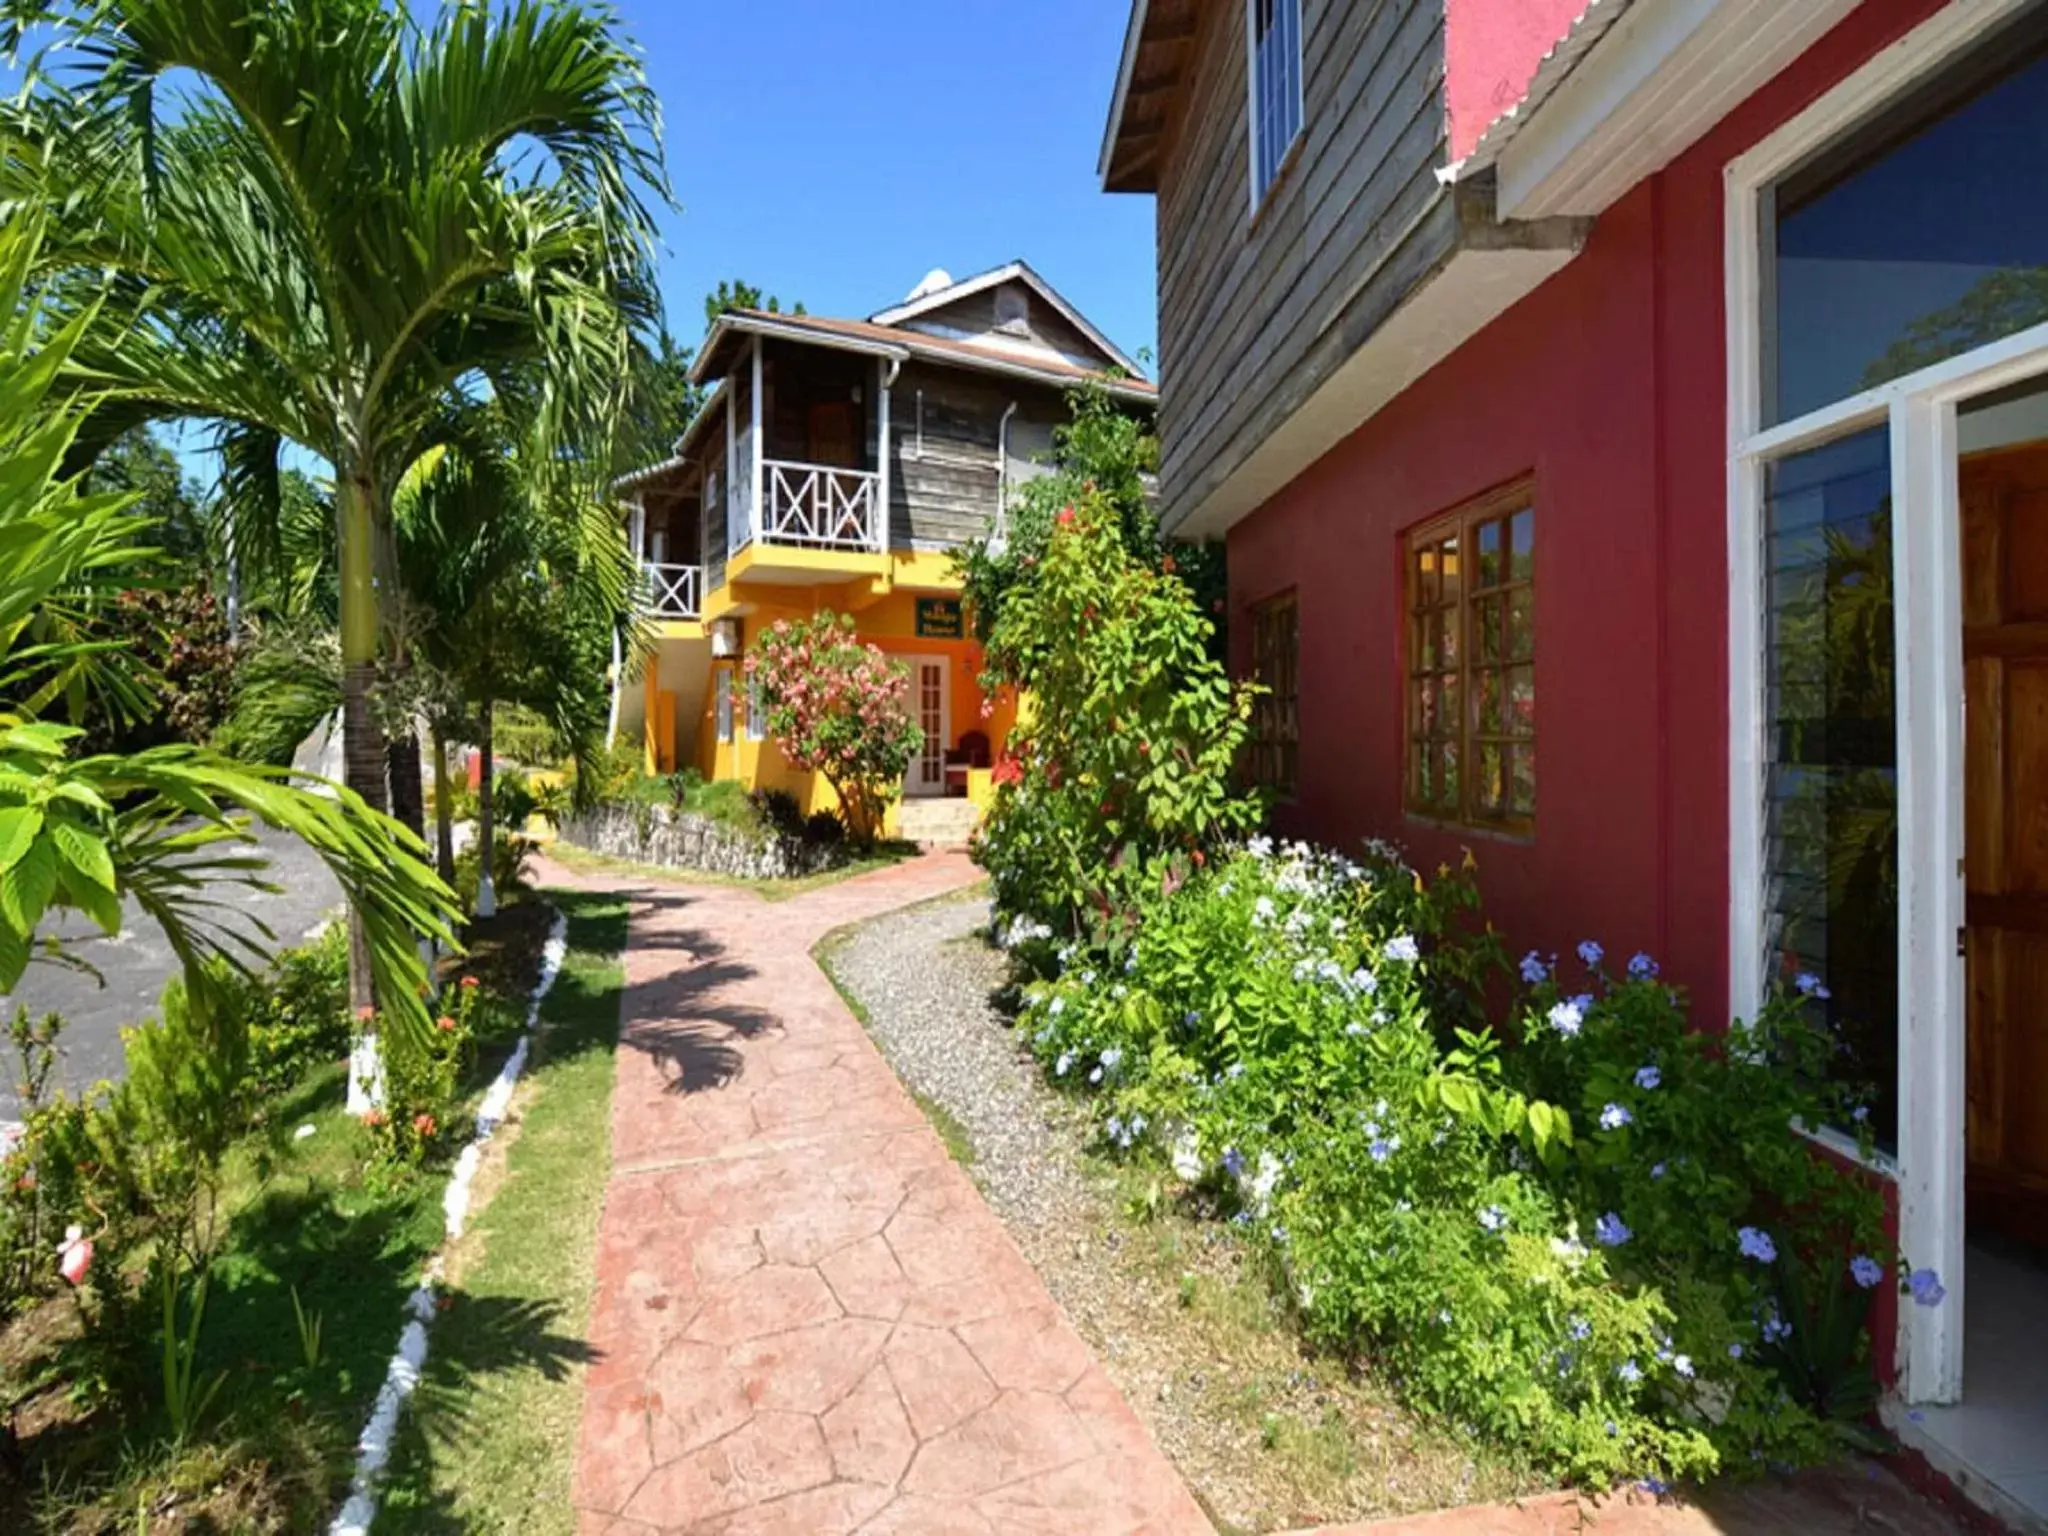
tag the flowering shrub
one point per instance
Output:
(1121, 779)
(1598, 1241)
(838, 707)
(420, 1086)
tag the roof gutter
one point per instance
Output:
(1134, 34)
(755, 325)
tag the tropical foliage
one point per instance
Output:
(1589, 1234)
(81, 832)
(839, 707)
(1122, 777)
(467, 201)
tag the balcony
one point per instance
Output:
(674, 591)
(815, 506)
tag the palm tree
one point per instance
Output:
(508, 543)
(330, 222)
(162, 825)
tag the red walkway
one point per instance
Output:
(807, 1320)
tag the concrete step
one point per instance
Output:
(937, 823)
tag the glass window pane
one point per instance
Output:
(1522, 536)
(1451, 569)
(1425, 577)
(1522, 788)
(1489, 615)
(1522, 701)
(1831, 791)
(1491, 716)
(1489, 554)
(1522, 623)
(1925, 235)
(1491, 787)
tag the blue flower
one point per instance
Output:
(1533, 968)
(1610, 1231)
(1926, 1287)
(1810, 985)
(1630, 1372)
(1860, 1113)
(1383, 1147)
(1614, 1117)
(1112, 1059)
(1865, 1270)
(1648, 1077)
(1567, 1018)
(1591, 952)
(1402, 947)
(1642, 967)
(1579, 1328)
(1233, 1162)
(1656, 1170)
(1756, 1244)
(1655, 1487)
(1683, 1365)
(1734, 1351)
(1493, 1218)
(1057, 1007)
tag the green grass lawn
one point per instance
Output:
(488, 1442)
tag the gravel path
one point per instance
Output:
(1267, 1439)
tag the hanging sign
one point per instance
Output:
(938, 618)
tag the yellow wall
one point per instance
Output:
(888, 620)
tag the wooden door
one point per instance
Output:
(832, 435)
(2005, 662)
(928, 685)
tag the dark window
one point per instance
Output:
(1471, 702)
(1276, 713)
(1831, 824)
(1920, 237)
(1276, 89)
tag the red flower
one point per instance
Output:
(1199, 860)
(375, 1119)
(1167, 565)
(445, 1024)
(1066, 517)
(469, 981)
(423, 1125)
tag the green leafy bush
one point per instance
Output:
(1594, 1239)
(1121, 780)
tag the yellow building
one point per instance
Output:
(839, 464)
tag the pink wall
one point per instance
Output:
(1491, 48)
(1608, 384)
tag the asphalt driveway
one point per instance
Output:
(136, 963)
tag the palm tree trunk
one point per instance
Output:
(444, 809)
(362, 741)
(408, 793)
(486, 894)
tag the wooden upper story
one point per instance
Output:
(833, 450)
(1318, 246)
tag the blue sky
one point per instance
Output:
(834, 151)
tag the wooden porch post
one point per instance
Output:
(754, 468)
(880, 533)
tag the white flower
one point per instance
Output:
(1262, 910)
(1259, 1190)
(1187, 1155)
(1259, 847)
(1057, 1007)
(1402, 947)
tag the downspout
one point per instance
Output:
(1000, 537)
(884, 439)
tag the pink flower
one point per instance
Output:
(74, 1255)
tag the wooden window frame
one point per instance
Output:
(722, 710)
(1274, 761)
(1460, 670)
(1259, 191)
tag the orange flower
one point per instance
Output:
(469, 981)
(445, 1024)
(374, 1119)
(423, 1125)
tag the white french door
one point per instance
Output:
(931, 701)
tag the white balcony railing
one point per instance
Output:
(818, 507)
(675, 591)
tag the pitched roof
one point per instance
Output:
(1018, 272)
(887, 340)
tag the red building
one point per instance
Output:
(1629, 424)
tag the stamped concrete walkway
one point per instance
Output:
(807, 1320)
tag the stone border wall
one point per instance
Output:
(684, 840)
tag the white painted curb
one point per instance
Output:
(373, 1446)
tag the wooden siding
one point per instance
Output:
(1044, 326)
(1258, 310)
(715, 507)
(946, 494)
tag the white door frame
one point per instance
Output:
(912, 789)
(1920, 411)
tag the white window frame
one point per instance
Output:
(1919, 411)
(1252, 115)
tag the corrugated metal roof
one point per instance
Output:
(1552, 70)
